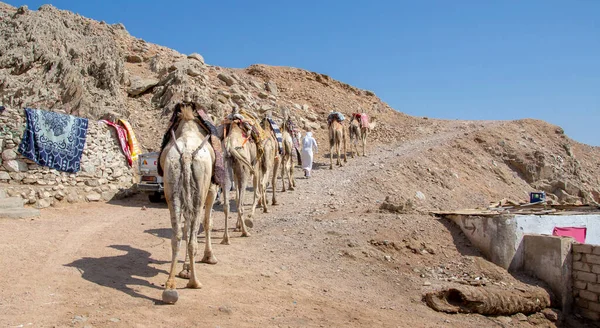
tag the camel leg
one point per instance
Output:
(257, 192)
(185, 271)
(364, 142)
(331, 156)
(345, 149)
(192, 247)
(170, 294)
(290, 174)
(241, 191)
(283, 172)
(274, 179)
(210, 199)
(264, 181)
(338, 148)
(224, 194)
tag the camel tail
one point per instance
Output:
(236, 154)
(188, 188)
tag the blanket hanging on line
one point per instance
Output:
(54, 140)
(122, 133)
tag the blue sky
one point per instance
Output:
(453, 59)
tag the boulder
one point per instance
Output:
(272, 88)
(93, 197)
(9, 154)
(15, 166)
(197, 57)
(140, 85)
(134, 59)
(229, 81)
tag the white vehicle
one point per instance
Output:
(150, 182)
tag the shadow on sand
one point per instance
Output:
(118, 272)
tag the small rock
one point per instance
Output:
(426, 283)
(140, 85)
(4, 175)
(420, 195)
(521, 317)
(387, 258)
(229, 81)
(225, 309)
(93, 197)
(79, 318)
(504, 320)
(144, 208)
(550, 314)
(114, 319)
(42, 203)
(272, 87)
(9, 154)
(197, 57)
(134, 59)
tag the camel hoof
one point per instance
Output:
(225, 242)
(245, 234)
(209, 260)
(184, 274)
(291, 188)
(249, 223)
(331, 167)
(194, 284)
(170, 296)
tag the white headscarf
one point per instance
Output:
(308, 134)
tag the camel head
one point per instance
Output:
(373, 123)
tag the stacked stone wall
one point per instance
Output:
(104, 170)
(586, 280)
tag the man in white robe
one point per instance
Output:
(308, 144)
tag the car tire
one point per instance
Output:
(155, 197)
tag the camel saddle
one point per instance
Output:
(218, 176)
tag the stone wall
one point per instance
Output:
(586, 280)
(549, 258)
(104, 170)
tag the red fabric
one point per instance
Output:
(577, 233)
(122, 139)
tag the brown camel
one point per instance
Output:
(358, 131)
(269, 164)
(287, 165)
(188, 161)
(241, 157)
(337, 135)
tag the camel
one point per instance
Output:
(358, 131)
(188, 161)
(287, 165)
(269, 165)
(337, 135)
(241, 157)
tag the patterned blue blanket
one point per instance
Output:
(278, 135)
(54, 140)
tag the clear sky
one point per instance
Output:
(453, 59)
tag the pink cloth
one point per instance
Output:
(122, 133)
(364, 120)
(577, 233)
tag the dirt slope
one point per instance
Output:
(326, 257)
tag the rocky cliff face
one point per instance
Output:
(57, 60)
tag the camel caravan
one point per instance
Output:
(199, 158)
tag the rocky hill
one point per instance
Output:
(57, 60)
